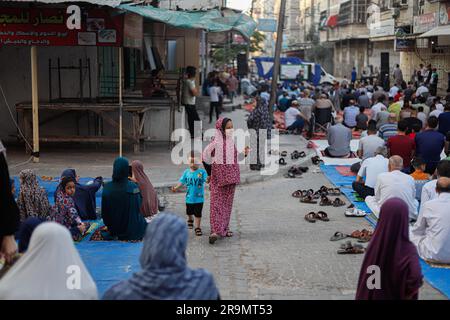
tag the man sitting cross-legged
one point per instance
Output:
(431, 232)
(369, 171)
(394, 184)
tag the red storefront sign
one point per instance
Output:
(47, 27)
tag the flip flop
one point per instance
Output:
(284, 153)
(322, 216)
(282, 162)
(311, 217)
(338, 236)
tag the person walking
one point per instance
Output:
(220, 159)
(190, 92)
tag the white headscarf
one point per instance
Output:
(48, 270)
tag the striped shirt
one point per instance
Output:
(388, 130)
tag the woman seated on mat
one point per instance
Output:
(84, 196)
(149, 205)
(390, 249)
(65, 211)
(121, 204)
(165, 274)
(32, 200)
(42, 272)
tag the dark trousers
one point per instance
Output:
(362, 190)
(214, 106)
(192, 117)
(355, 167)
(298, 124)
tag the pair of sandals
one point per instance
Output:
(351, 248)
(330, 191)
(362, 236)
(302, 193)
(312, 217)
(198, 231)
(316, 160)
(295, 172)
(325, 201)
(296, 155)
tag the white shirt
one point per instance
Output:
(393, 92)
(188, 98)
(397, 184)
(371, 168)
(290, 116)
(431, 232)
(421, 90)
(435, 113)
(422, 117)
(214, 93)
(377, 108)
(428, 191)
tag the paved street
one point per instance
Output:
(275, 253)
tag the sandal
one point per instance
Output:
(190, 224)
(311, 217)
(297, 194)
(229, 234)
(213, 238)
(325, 201)
(338, 203)
(349, 248)
(338, 236)
(198, 232)
(294, 155)
(301, 154)
(354, 212)
(303, 169)
(281, 162)
(308, 199)
(322, 216)
(284, 154)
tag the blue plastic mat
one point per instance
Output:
(110, 262)
(439, 278)
(335, 177)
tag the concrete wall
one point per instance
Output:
(349, 54)
(15, 79)
(384, 46)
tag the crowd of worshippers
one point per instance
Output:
(46, 237)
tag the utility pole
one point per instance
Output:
(276, 62)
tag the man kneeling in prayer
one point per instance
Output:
(394, 184)
(431, 232)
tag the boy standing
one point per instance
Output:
(194, 179)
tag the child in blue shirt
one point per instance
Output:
(194, 179)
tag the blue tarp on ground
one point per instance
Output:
(439, 278)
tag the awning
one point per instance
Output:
(111, 3)
(438, 31)
(211, 20)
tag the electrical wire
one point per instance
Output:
(18, 128)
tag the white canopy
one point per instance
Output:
(438, 31)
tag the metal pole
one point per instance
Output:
(120, 100)
(35, 103)
(276, 64)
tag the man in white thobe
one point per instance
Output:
(429, 188)
(394, 184)
(431, 232)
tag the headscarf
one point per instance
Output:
(32, 200)
(259, 118)
(165, 274)
(25, 232)
(397, 258)
(149, 205)
(84, 197)
(46, 270)
(221, 154)
(121, 203)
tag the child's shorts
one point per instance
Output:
(194, 209)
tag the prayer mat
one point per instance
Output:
(102, 234)
(345, 171)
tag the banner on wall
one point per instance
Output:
(48, 27)
(133, 31)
